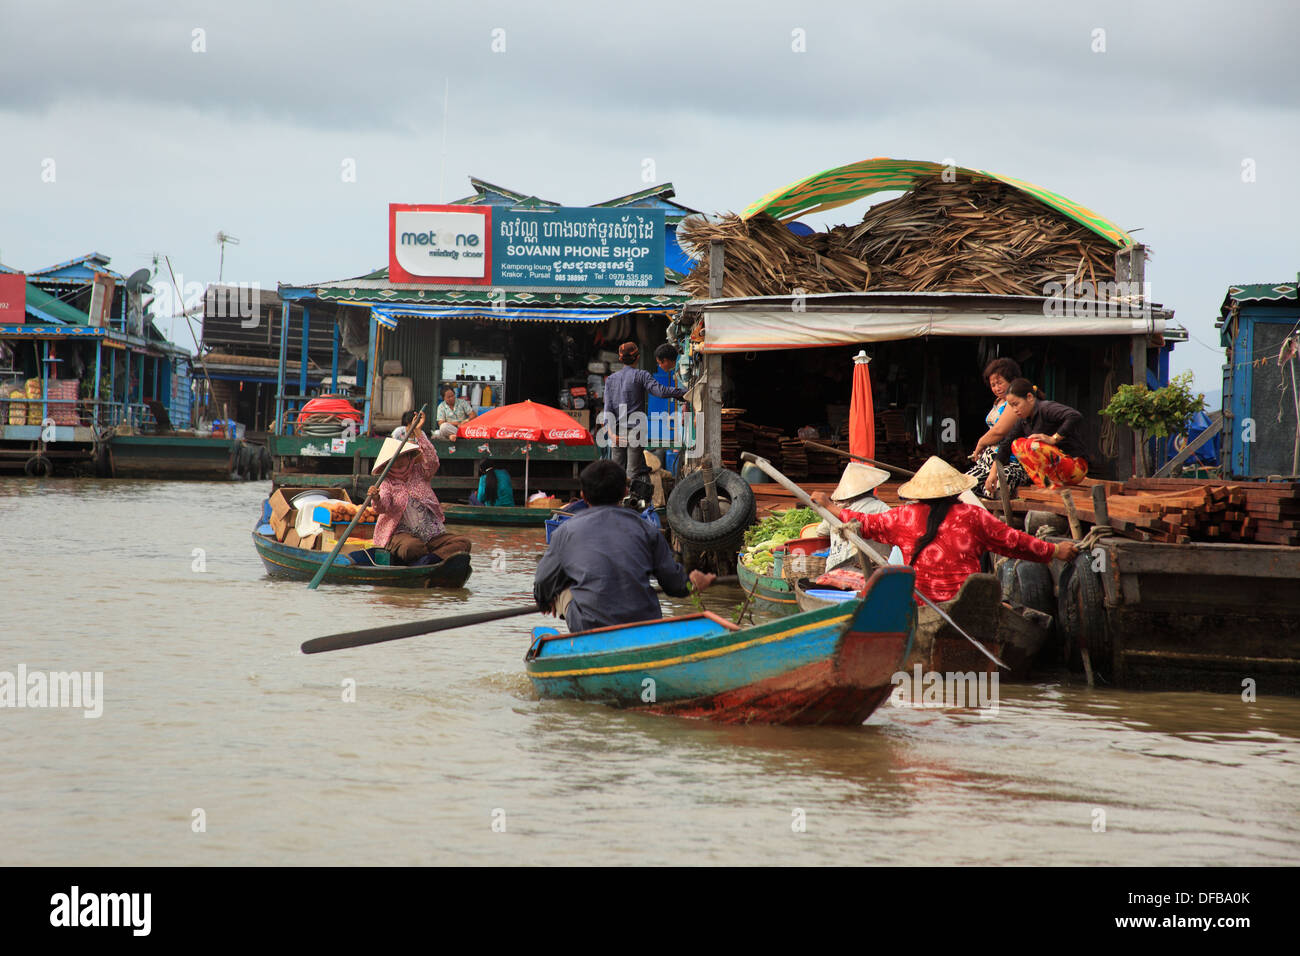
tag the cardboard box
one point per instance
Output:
(311, 542)
(282, 524)
(580, 415)
(291, 538)
(283, 514)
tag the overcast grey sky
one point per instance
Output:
(157, 145)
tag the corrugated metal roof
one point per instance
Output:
(51, 308)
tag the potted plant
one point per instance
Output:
(1155, 413)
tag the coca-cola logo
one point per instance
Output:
(559, 434)
(525, 433)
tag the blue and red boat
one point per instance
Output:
(829, 666)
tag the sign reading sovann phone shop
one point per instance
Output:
(555, 246)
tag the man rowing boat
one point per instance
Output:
(943, 538)
(597, 567)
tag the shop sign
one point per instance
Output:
(556, 246)
(449, 244)
(13, 298)
(578, 246)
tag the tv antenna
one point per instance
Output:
(222, 239)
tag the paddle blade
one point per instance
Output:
(395, 632)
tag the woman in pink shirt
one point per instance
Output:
(411, 523)
(942, 538)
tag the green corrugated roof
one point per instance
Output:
(55, 308)
(1262, 292)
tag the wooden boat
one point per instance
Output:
(1013, 633)
(832, 666)
(483, 514)
(282, 561)
(771, 593)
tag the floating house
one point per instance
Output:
(79, 361)
(779, 310)
(508, 310)
(1261, 397)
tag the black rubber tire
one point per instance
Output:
(38, 466)
(729, 529)
(1067, 609)
(1035, 519)
(1091, 605)
(1036, 586)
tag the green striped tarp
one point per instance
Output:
(846, 184)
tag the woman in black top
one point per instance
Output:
(1047, 438)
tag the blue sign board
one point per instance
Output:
(573, 247)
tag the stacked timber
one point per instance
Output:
(794, 459)
(824, 465)
(1182, 510)
(730, 438)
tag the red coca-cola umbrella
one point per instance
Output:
(862, 412)
(526, 421)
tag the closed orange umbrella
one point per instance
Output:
(862, 412)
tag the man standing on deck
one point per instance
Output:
(625, 407)
(596, 570)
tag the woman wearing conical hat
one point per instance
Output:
(942, 538)
(856, 492)
(410, 523)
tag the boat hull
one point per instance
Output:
(477, 514)
(282, 561)
(772, 594)
(979, 611)
(833, 666)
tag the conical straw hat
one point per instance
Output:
(936, 479)
(389, 449)
(857, 480)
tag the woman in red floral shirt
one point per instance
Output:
(942, 538)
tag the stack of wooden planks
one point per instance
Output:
(1182, 510)
(794, 459)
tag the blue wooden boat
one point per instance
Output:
(299, 564)
(829, 666)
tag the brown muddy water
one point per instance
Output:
(207, 705)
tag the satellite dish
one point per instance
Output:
(137, 280)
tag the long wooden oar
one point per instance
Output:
(870, 461)
(338, 545)
(858, 543)
(395, 632)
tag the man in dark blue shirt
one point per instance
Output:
(596, 570)
(625, 410)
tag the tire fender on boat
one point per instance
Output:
(739, 511)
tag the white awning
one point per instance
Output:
(749, 330)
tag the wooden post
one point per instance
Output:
(1100, 510)
(717, 267)
(1004, 494)
(712, 411)
(1138, 352)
